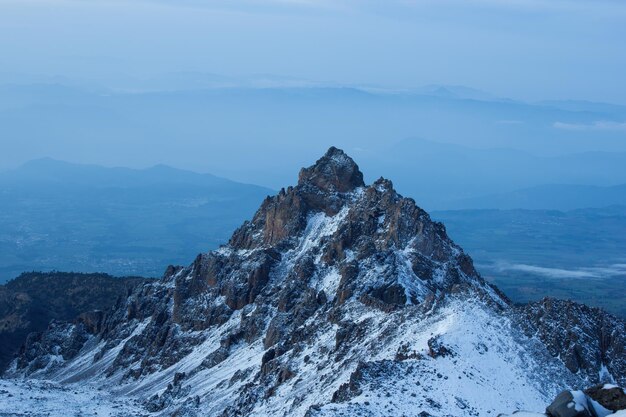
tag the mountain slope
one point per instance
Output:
(29, 302)
(335, 298)
(587, 340)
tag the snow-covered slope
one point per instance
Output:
(337, 298)
(41, 398)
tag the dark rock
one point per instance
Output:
(436, 349)
(390, 294)
(253, 324)
(268, 356)
(564, 405)
(31, 301)
(92, 321)
(405, 353)
(612, 398)
(276, 331)
(347, 333)
(174, 391)
(216, 357)
(334, 172)
(64, 339)
(352, 388)
(285, 374)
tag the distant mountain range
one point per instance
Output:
(54, 172)
(448, 176)
(62, 216)
(281, 124)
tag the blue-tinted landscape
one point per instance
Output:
(313, 208)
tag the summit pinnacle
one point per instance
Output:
(335, 172)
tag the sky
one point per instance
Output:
(123, 82)
(523, 49)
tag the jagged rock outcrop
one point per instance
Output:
(31, 301)
(608, 396)
(589, 341)
(337, 297)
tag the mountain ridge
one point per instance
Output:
(336, 297)
(51, 169)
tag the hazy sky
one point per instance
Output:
(527, 49)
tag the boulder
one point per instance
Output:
(611, 397)
(570, 404)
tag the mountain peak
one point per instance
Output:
(334, 172)
(335, 292)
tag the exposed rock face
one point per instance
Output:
(31, 301)
(608, 396)
(588, 340)
(60, 342)
(336, 297)
(334, 172)
(569, 404)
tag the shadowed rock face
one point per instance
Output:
(588, 340)
(31, 301)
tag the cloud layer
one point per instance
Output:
(580, 273)
(598, 125)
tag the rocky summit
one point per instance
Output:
(336, 299)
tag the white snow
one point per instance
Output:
(580, 401)
(329, 282)
(320, 225)
(604, 374)
(599, 410)
(412, 284)
(44, 398)
(489, 373)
